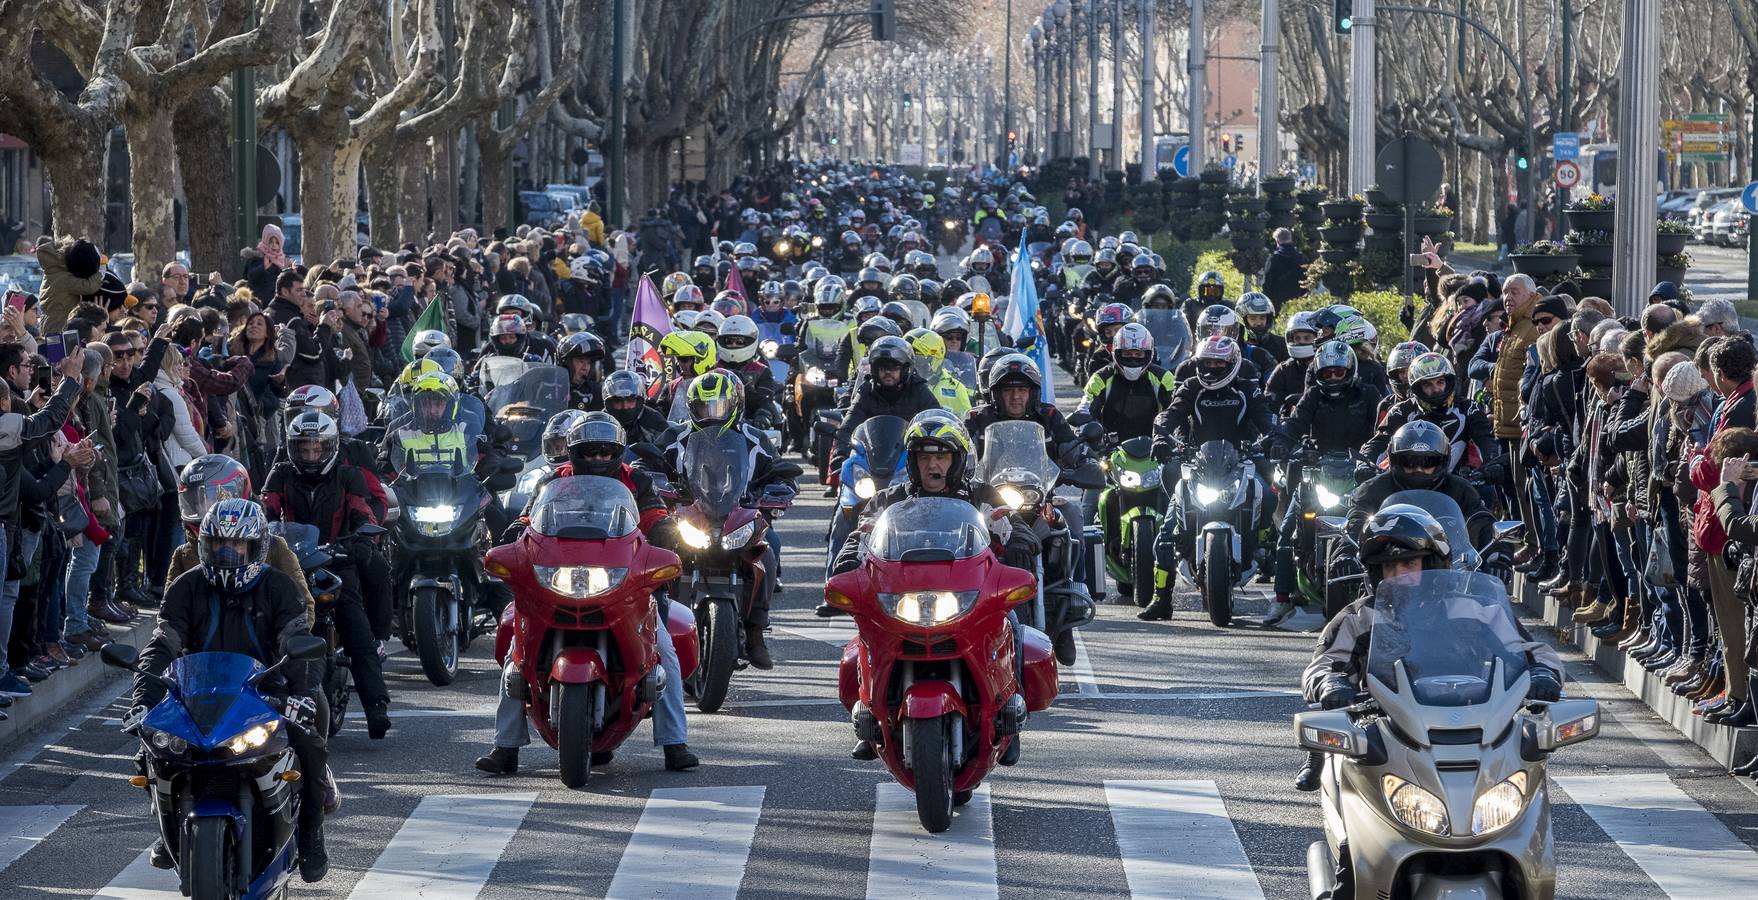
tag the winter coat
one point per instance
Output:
(1504, 380)
(61, 292)
(183, 442)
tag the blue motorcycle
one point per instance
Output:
(222, 775)
(875, 459)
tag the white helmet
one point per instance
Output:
(1135, 340)
(737, 339)
(709, 322)
(685, 319)
(1218, 360)
(428, 340)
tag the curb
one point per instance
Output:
(52, 698)
(1728, 746)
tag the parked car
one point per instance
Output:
(1702, 212)
(1673, 205)
(1729, 222)
(22, 270)
(123, 264)
(543, 208)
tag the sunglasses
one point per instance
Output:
(1544, 320)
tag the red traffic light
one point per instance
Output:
(1013, 135)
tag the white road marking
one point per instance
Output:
(140, 881)
(1681, 845)
(447, 848)
(1082, 670)
(906, 862)
(24, 827)
(1176, 840)
(690, 842)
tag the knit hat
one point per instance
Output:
(1682, 383)
(83, 259)
(1552, 304)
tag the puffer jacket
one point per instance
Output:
(1504, 380)
(61, 292)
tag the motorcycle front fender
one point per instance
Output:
(503, 635)
(578, 665)
(680, 621)
(848, 674)
(931, 700)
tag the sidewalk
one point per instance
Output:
(57, 695)
(1728, 746)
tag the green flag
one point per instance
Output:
(433, 318)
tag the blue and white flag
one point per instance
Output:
(1021, 323)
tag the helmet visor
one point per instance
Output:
(194, 501)
(712, 410)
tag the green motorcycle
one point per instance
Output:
(1130, 509)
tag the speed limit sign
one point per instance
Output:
(1568, 174)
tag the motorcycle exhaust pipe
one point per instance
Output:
(1011, 719)
(866, 724)
(1321, 870)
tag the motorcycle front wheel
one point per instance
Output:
(719, 635)
(1141, 560)
(1218, 578)
(435, 639)
(208, 859)
(930, 744)
(573, 733)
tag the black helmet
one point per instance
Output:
(555, 435)
(890, 350)
(1419, 443)
(896, 311)
(595, 434)
(1332, 355)
(1013, 369)
(1399, 532)
(875, 328)
(904, 287)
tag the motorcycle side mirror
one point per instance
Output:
(1569, 722)
(1330, 524)
(501, 560)
(306, 647)
(1508, 528)
(844, 589)
(121, 656)
(1330, 731)
(1092, 432)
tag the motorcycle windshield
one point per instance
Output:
(928, 529)
(1441, 633)
(963, 366)
(919, 313)
(497, 370)
(881, 437)
(586, 508)
(537, 393)
(1217, 462)
(209, 684)
(1171, 334)
(717, 465)
(1447, 512)
(301, 539)
(1013, 454)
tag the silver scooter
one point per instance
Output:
(1436, 783)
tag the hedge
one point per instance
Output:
(1380, 307)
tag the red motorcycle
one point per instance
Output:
(932, 681)
(582, 624)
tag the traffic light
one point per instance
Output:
(1012, 136)
(1342, 15)
(1522, 160)
(1238, 142)
(906, 100)
(884, 18)
(1226, 142)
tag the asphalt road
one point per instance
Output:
(1169, 748)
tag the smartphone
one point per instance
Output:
(41, 380)
(1419, 259)
(55, 349)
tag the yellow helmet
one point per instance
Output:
(414, 371)
(929, 347)
(716, 398)
(938, 434)
(429, 415)
(690, 353)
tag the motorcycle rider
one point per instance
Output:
(853, 346)
(954, 327)
(1217, 402)
(686, 355)
(736, 350)
(930, 363)
(1126, 394)
(1401, 541)
(625, 399)
(235, 602)
(1434, 398)
(310, 487)
(1220, 319)
(1287, 380)
(1142, 275)
(1337, 412)
(595, 446)
(1211, 290)
(893, 388)
(1417, 458)
(1106, 322)
(1397, 366)
(1259, 316)
(716, 400)
(581, 355)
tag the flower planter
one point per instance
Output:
(1282, 219)
(1674, 274)
(1278, 184)
(1213, 205)
(1596, 286)
(1429, 226)
(1213, 176)
(1243, 204)
(1670, 244)
(1311, 215)
(1593, 256)
(1391, 243)
(1337, 257)
(1597, 220)
(1184, 186)
(1310, 197)
(1340, 234)
(1385, 221)
(1378, 197)
(1278, 202)
(1341, 209)
(1542, 264)
(1244, 240)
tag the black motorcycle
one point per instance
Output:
(326, 590)
(442, 598)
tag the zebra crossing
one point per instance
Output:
(1172, 838)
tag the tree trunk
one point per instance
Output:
(470, 173)
(413, 193)
(492, 175)
(317, 176)
(445, 192)
(152, 172)
(344, 201)
(383, 194)
(76, 179)
(202, 147)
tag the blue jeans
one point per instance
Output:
(27, 548)
(82, 563)
(618, 295)
(511, 728)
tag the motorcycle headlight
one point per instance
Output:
(815, 376)
(739, 536)
(818, 240)
(434, 520)
(253, 738)
(950, 224)
(1037, 265)
(1208, 495)
(1017, 497)
(1415, 806)
(928, 607)
(781, 248)
(1327, 498)
(1129, 480)
(164, 742)
(770, 348)
(579, 581)
(1499, 805)
(694, 536)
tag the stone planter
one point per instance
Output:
(1593, 256)
(1385, 221)
(1340, 234)
(1539, 265)
(1591, 221)
(1429, 226)
(1674, 274)
(1670, 244)
(1336, 210)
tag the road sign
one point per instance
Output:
(1229, 161)
(1565, 145)
(1309, 172)
(1749, 198)
(1181, 161)
(1568, 174)
(1409, 169)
